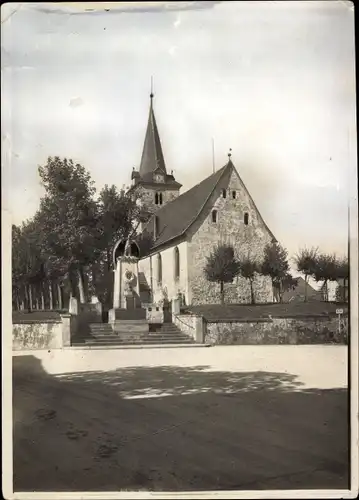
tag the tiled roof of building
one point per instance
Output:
(152, 155)
(174, 218)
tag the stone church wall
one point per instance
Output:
(148, 197)
(248, 240)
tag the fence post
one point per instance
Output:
(66, 330)
(199, 329)
(73, 306)
(176, 307)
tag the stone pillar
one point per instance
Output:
(111, 316)
(129, 299)
(66, 330)
(128, 287)
(73, 306)
(98, 308)
(116, 285)
(176, 305)
(198, 324)
(137, 283)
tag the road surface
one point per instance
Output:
(219, 418)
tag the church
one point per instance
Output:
(186, 227)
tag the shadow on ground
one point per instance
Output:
(173, 428)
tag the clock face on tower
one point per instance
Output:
(159, 178)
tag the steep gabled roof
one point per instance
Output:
(152, 155)
(174, 218)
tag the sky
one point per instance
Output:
(274, 81)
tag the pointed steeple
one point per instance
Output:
(152, 155)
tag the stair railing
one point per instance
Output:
(179, 319)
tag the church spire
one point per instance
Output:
(152, 155)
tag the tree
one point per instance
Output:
(342, 272)
(18, 268)
(120, 214)
(27, 264)
(145, 242)
(69, 216)
(114, 218)
(326, 266)
(54, 268)
(248, 269)
(305, 261)
(71, 237)
(275, 265)
(222, 267)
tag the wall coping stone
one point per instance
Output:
(36, 321)
(239, 320)
(301, 317)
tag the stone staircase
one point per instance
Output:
(144, 288)
(102, 335)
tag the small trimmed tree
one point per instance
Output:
(305, 261)
(326, 266)
(275, 265)
(248, 269)
(222, 267)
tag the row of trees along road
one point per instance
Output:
(223, 267)
(323, 267)
(65, 249)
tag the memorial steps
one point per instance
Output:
(103, 335)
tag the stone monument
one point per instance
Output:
(126, 291)
(127, 315)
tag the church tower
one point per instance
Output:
(152, 181)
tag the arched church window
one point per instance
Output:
(224, 193)
(157, 199)
(161, 199)
(246, 218)
(214, 215)
(234, 195)
(159, 268)
(176, 263)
